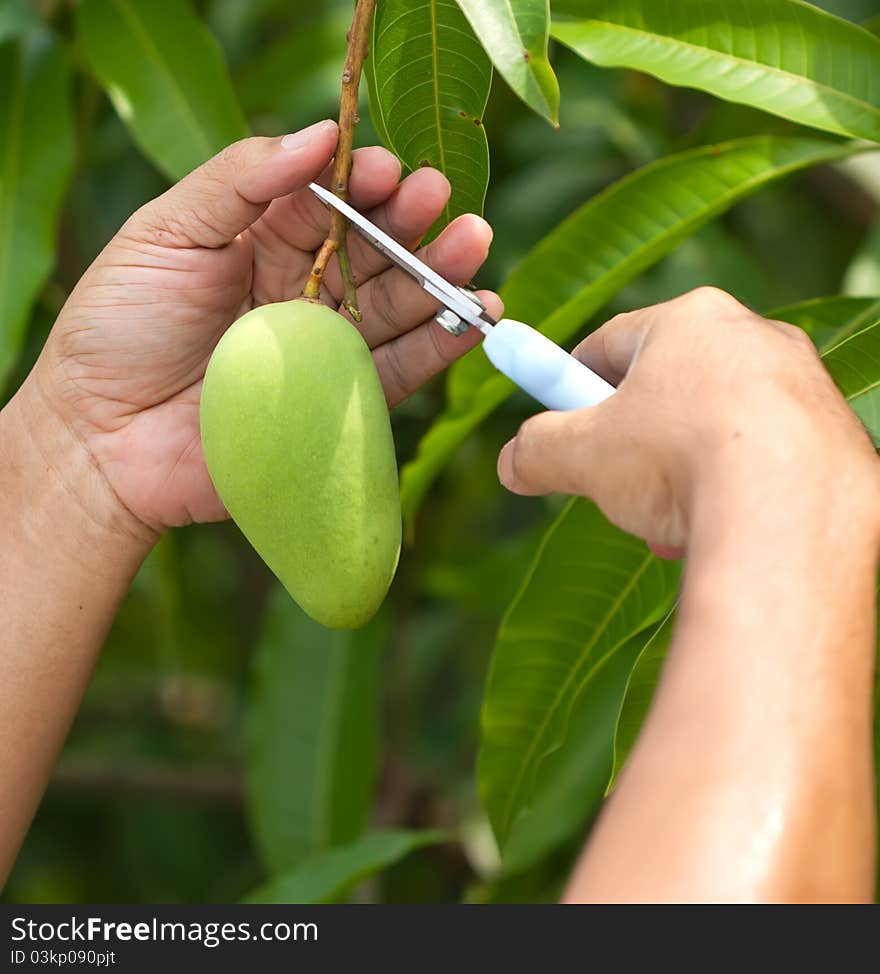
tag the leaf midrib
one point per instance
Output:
(859, 323)
(705, 212)
(735, 59)
(447, 212)
(154, 54)
(563, 689)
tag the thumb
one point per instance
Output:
(225, 195)
(559, 452)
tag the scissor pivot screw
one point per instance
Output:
(451, 322)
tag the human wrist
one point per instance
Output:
(56, 495)
(796, 479)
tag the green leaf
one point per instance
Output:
(165, 75)
(785, 57)
(429, 81)
(316, 48)
(515, 34)
(589, 257)
(312, 739)
(327, 876)
(873, 25)
(571, 782)
(829, 320)
(36, 158)
(854, 364)
(638, 695)
(590, 590)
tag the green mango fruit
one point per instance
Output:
(298, 442)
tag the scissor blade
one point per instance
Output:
(428, 278)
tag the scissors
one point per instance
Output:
(536, 364)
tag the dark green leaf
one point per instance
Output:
(515, 35)
(36, 157)
(829, 320)
(327, 876)
(639, 693)
(782, 56)
(590, 590)
(854, 364)
(590, 256)
(312, 733)
(165, 75)
(571, 781)
(429, 81)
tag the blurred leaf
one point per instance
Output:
(268, 81)
(36, 158)
(312, 737)
(590, 589)
(854, 364)
(873, 25)
(638, 695)
(165, 75)
(571, 781)
(782, 56)
(591, 255)
(829, 320)
(863, 275)
(17, 17)
(327, 876)
(429, 81)
(514, 34)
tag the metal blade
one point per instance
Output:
(460, 301)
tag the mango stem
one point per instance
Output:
(358, 47)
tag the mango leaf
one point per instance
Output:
(312, 733)
(571, 782)
(36, 158)
(829, 320)
(638, 695)
(590, 590)
(785, 57)
(429, 78)
(327, 876)
(854, 364)
(514, 34)
(165, 75)
(578, 267)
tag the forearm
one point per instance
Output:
(67, 556)
(753, 777)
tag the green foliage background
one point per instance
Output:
(227, 746)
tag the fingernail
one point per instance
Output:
(299, 140)
(505, 465)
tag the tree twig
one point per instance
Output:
(358, 46)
